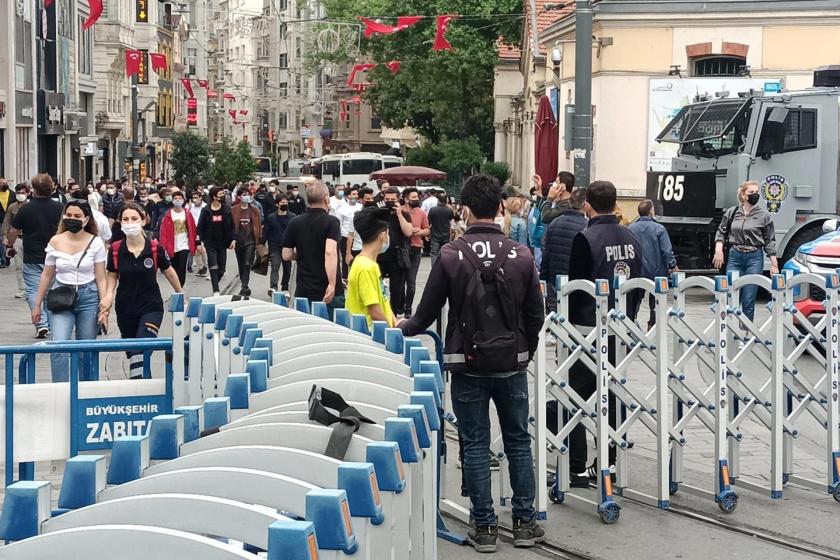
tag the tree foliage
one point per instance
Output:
(460, 157)
(190, 159)
(428, 155)
(444, 95)
(233, 162)
(497, 169)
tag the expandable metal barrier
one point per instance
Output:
(261, 479)
(728, 390)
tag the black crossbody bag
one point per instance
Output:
(63, 298)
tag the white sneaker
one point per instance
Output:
(215, 294)
(20, 294)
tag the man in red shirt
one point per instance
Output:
(419, 230)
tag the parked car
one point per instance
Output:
(821, 256)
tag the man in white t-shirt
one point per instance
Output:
(430, 202)
(336, 199)
(197, 204)
(345, 215)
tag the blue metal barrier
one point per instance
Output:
(79, 351)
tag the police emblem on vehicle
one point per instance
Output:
(775, 190)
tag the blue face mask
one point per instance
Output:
(340, 194)
(385, 245)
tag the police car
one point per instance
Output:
(821, 256)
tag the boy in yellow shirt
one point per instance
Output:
(366, 293)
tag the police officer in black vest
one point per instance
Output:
(603, 250)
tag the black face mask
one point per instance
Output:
(390, 204)
(73, 225)
(283, 207)
(753, 198)
(369, 203)
(414, 203)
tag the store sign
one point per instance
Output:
(141, 8)
(192, 113)
(101, 421)
(143, 72)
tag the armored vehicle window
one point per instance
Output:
(800, 132)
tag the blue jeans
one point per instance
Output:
(82, 318)
(32, 279)
(471, 402)
(746, 263)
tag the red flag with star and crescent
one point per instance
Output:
(133, 59)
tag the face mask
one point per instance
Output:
(20, 197)
(414, 203)
(144, 198)
(753, 199)
(73, 225)
(247, 199)
(178, 203)
(167, 199)
(294, 192)
(111, 191)
(368, 203)
(352, 201)
(132, 230)
(4, 188)
(385, 245)
(272, 189)
(340, 194)
(390, 203)
(283, 207)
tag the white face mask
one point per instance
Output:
(132, 230)
(20, 197)
(385, 245)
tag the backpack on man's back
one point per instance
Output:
(489, 314)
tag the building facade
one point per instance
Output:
(642, 50)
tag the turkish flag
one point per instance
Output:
(95, 12)
(203, 83)
(212, 93)
(243, 112)
(232, 113)
(351, 79)
(229, 96)
(393, 66)
(187, 86)
(441, 44)
(133, 59)
(158, 61)
(373, 27)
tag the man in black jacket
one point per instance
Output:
(472, 389)
(604, 250)
(557, 245)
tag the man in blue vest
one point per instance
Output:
(603, 250)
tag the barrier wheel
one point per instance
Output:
(728, 503)
(610, 513)
(556, 496)
(673, 488)
(835, 491)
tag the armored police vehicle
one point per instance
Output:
(789, 142)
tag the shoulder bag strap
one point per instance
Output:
(79, 263)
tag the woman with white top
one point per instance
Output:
(75, 257)
(178, 235)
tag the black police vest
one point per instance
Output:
(615, 250)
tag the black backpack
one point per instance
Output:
(488, 317)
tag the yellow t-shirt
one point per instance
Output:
(365, 287)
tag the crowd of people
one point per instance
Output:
(82, 252)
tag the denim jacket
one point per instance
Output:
(658, 255)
